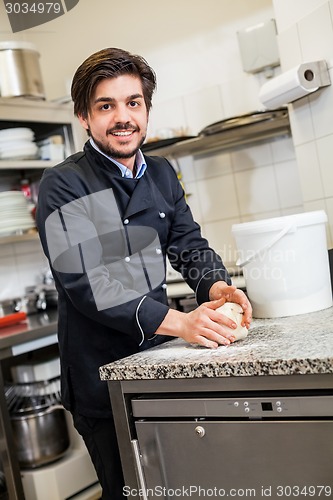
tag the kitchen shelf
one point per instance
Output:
(26, 164)
(45, 119)
(35, 111)
(14, 238)
(238, 135)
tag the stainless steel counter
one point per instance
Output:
(283, 362)
(14, 339)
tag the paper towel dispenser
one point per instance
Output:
(294, 84)
(258, 47)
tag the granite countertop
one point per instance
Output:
(301, 344)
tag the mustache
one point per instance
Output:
(123, 126)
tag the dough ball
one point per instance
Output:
(235, 312)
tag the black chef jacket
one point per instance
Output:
(90, 333)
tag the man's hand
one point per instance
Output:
(220, 290)
(203, 325)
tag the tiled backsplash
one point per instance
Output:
(277, 177)
(306, 34)
(247, 183)
(21, 265)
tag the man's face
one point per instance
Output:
(118, 118)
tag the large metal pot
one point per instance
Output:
(20, 74)
(41, 436)
(38, 421)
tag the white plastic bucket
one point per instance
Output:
(285, 264)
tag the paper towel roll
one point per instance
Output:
(294, 84)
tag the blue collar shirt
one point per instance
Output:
(126, 172)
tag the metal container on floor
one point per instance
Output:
(41, 437)
(38, 421)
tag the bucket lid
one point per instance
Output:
(17, 45)
(277, 223)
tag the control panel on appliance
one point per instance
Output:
(251, 407)
(306, 406)
(262, 408)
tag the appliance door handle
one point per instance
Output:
(139, 468)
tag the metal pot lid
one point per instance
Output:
(31, 397)
(161, 143)
(17, 45)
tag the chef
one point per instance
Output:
(108, 217)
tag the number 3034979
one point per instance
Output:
(303, 491)
(34, 8)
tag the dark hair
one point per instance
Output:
(109, 63)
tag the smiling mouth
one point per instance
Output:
(122, 133)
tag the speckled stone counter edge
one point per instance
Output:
(300, 344)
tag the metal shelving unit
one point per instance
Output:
(45, 119)
(275, 124)
(25, 164)
(15, 238)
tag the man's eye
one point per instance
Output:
(106, 106)
(133, 104)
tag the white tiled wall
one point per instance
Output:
(198, 87)
(277, 177)
(288, 13)
(199, 108)
(200, 80)
(246, 183)
(306, 34)
(21, 266)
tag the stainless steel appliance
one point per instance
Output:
(39, 422)
(72, 476)
(253, 444)
(52, 456)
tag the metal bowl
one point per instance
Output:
(40, 437)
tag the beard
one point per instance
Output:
(115, 153)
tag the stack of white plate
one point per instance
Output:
(15, 216)
(17, 144)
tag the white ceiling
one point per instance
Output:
(140, 27)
